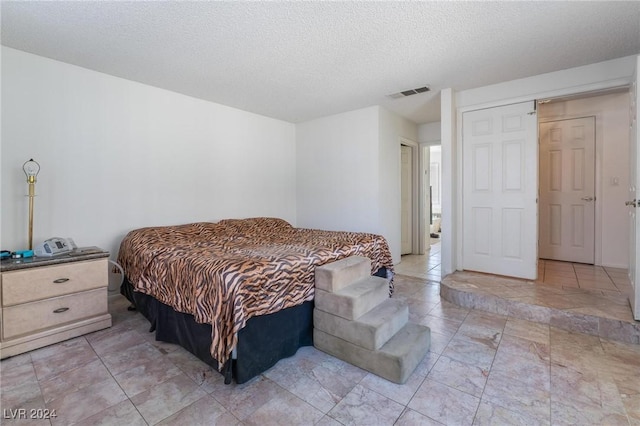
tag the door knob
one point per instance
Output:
(587, 198)
(631, 203)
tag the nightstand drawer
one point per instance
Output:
(33, 284)
(34, 316)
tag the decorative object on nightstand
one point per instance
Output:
(45, 300)
(31, 169)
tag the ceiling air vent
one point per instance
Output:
(410, 92)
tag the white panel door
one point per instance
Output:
(406, 199)
(634, 200)
(567, 190)
(499, 155)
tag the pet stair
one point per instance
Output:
(356, 321)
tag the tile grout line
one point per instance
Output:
(475, 415)
(39, 385)
(116, 381)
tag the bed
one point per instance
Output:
(237, 293)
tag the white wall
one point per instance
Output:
(348, 171)
(117, 155)
(337, 172)
(612, 148)
(429, 133)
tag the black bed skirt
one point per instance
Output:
(262, 342)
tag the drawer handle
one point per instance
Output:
(61, 280)
(60, 310)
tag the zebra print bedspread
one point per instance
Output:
(227, 272)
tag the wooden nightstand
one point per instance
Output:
(45, 300)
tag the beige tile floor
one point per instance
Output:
(573, 287)
(482, 368)
(598, 279)
(425, 266)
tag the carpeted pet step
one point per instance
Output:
(371, 330)
(354, 300)
(334, 276)
(394, 361)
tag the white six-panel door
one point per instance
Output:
(499, 155)
(567, 190)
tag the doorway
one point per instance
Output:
(406, 199)
(491, 155)
(587, 137)
(612, 109)
(412, 205)
(584, 171)
(434, 155)
(424, 260)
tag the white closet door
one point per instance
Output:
(567, 190)
(499, 154)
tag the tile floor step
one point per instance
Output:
(394, 361)
(371, 330)
(582, 311)
(337, 275)
(354, 300)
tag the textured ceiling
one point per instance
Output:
(297, 61)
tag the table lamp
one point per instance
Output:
(31, 169)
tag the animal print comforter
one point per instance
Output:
(227, 272)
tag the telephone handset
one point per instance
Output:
(54, 246)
